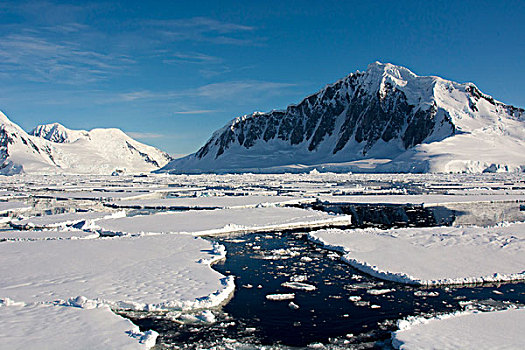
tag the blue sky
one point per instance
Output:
(171, 72)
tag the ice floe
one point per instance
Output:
(433, 256)
(45, 235)
(63, 220)
(280, 297)
(13, 207)
(464, 330)
(140, 273)
(56, 326)
(212, 202)
(222, 221)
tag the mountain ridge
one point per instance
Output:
(386, 114)
(53, 148)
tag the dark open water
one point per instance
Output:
(325, 316)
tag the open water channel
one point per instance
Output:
(347, 309)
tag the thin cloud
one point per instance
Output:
(203, 29)
(241, 88)
(230, 90)
(202, 24)
(144, 135)
(37, 58)
(196, 58)
(197, 111)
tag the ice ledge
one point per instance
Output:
(407, 279)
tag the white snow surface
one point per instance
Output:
(45, 235)
(64, 220)
(213, 202)
(140, 273)
(51, 326)
(55, 149)
(433, 256)
(13, 206)
(465, 330)
(222, 221)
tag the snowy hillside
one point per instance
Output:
(55, 149)
(386, 119)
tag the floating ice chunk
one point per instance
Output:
(51, 326)
(361, 303)
(293, 305)
(279, 297)
(299, 286)
(354, 298)
(306, 259)
(202, 317)
(424, 293)
(379, 291)
(464, 330)
(299, 278)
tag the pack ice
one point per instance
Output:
(435, 255)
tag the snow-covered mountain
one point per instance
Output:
(386, 119)
(54, 149)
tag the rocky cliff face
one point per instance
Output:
(380, 113)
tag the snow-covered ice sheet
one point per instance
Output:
(426, 199)
(94, 195)
(44, 235)
(213, 202)
(13, 206)
(466, 330)
(141, 273)
(52, 326)
(222, 221)
(436, 255)
(63, 220)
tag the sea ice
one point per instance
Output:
(54, 326)
(213, 202)
(63, 220)
(299, 286)
(425, 199)
(435, 255)
(44, 235)
(13, 206)
(279, 297)
(465, 330)
(140, 273)
(222, 221)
